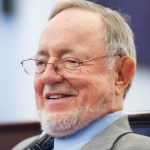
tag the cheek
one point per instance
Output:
(92, 88)
(38, 87)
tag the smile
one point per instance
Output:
(56, 96)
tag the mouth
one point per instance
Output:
(57, 96)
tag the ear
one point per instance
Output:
(124, 73)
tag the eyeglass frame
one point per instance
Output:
(79, 62)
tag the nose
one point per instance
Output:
(51, 76)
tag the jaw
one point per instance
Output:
(64, 123)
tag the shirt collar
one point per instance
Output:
(86, 133)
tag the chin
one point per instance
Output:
(60, 124)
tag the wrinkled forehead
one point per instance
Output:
(73, 28)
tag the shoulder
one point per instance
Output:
(25, 142)
(133, 141)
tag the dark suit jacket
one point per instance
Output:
(117, 136)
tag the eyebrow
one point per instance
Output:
(61, 52)
(65, 51)
(41, 53)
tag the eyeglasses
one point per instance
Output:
(65, 67)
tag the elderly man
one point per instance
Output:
(83, 68)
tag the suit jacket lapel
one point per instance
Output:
(106, 138)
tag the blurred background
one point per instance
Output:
(21, 23)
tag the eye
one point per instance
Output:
(40, 66)
(71, 63)
(40, 63)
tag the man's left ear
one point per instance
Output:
(124, 73)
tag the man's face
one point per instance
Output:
(68, 103)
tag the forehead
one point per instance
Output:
(72, 29)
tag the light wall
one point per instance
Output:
(19, 36)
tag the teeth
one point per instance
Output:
(55, 96)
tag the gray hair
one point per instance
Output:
(118, 36)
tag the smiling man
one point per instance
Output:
(83, 68)
(71, 90)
